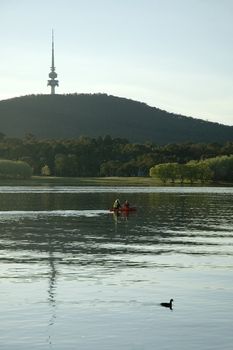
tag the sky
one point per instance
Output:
(176, 55)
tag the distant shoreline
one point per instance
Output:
(102, 181)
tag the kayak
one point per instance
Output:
(123, 209)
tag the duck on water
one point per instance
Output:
(169, 305)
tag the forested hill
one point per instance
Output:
(74, 115)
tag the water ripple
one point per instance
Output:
(119, 189)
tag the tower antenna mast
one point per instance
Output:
(53, 75)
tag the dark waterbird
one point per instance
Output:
(167, 304)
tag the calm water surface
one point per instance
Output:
(75, 276)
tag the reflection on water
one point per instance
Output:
(106, 273)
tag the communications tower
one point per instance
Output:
(53, 75)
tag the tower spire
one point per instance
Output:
(53, 75)
(53, 68)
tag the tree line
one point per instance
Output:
(105, 156)
(213, 169)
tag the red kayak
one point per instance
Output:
(123, 209)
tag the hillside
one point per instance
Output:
(74, 115)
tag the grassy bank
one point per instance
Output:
(83, 181)
(96, 181)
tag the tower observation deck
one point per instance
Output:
(53, 75)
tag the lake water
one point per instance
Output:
(75, 276)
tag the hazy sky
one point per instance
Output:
(176, 55)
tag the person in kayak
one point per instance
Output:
(116, 204)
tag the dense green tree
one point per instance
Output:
(222, 168)
(110, 168)
(204, 172)
(191, 171)
(14, 169)
(165, 171)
